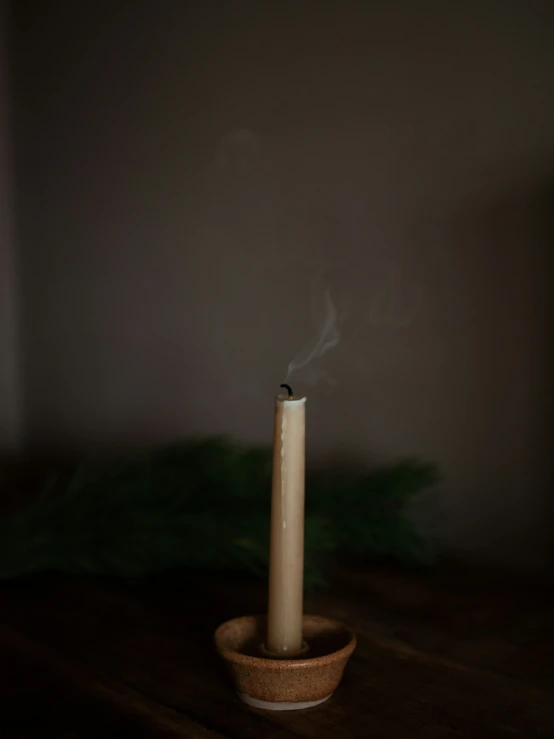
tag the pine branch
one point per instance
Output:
(205, 505)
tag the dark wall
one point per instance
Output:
(196, 180)
(10, 409)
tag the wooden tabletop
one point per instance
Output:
(436, 658)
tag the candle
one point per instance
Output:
(286, 558)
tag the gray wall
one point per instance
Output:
(193, 179)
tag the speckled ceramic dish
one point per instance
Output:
(285, 684)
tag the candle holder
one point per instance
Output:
(271, 682)
(287, 660)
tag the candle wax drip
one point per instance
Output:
(283, 470)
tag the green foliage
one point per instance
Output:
(205, 505)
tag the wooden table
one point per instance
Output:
(437, 657)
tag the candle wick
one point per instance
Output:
(288, 387)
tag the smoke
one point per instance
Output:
(306, 366)
(251, 203)
(383, 313)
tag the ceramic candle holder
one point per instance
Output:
(278, 684)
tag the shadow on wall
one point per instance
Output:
(548, 407)
(505, 242)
